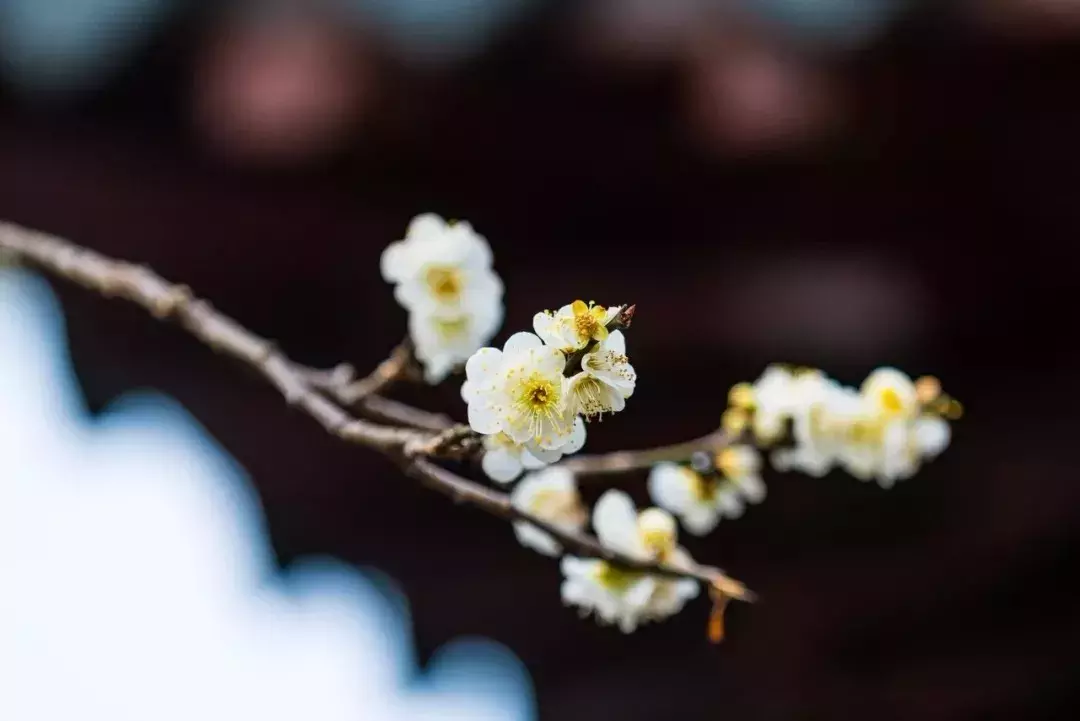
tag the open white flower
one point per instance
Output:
(605, 381)
(551, 495)
(701, 500)
(441, 264)
(520, 391)
(504, 460)
(443, 276)
(572, 327)
(444, 338)
(622, 597)
(890, 393)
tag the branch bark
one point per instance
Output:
(413, 447)
(627, 461)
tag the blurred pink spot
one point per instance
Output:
(281, 90)
(753, 97)
(637, 31)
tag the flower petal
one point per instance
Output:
(700, 519)
(483, 418)
(521, 342)
(932, 435)
(670, 487)
(577, 437)
(616, 342)
(501, 465)
(615, 521)
(533, 456)
(393, 262)
(483, 365)
(752, 487)
(540, 541)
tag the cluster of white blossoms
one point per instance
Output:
(883, 430)
(705, 491)
(627, 598)
(443, 276)
(529, 400)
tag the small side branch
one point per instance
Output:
(498, 504)
(627, 461)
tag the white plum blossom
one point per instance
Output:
(605, 381)
(443, 276)
(701, 500)
(550, 495)
(572, 327)
(626, 598)
(882, 432)
(520, 391)
(890, 393)
(441, 263)
(504, 460)
(444, 338)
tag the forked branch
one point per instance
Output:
(414, 438)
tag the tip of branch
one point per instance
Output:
(730, 588)
(625, 316)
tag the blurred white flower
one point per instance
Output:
(504, 460)
(890, 394)
(140, 583)
(520, 391)
(605, 381)
(443, 276)
(701, 500)
(884, 431)
(551, 495)
(627, 598)
(444, 338)
(572, 327)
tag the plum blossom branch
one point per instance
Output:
(419, 437)
(582, 544)
(628, 461)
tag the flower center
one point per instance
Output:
(448, 328)
(613, 578)
(585, 325)
(587, 321)
(444, 282)
(556, 506)
(891, 401)
(539, 399)
(729, 463)
(703, 488)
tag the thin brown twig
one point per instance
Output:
(408, 446)
(627, 461)
(340, 383)
(581, 544)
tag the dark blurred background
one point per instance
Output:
(830, 183)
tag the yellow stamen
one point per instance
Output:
(444, 282)
(734, 420)
(589, 321)
(741, 396)
(891, 401)
(614, 578)
(448, 328)
(539, 400)
(729, 462)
